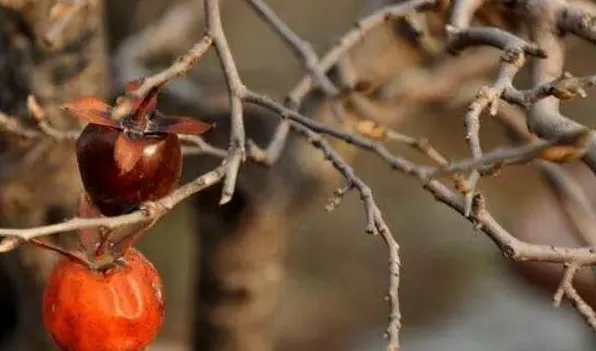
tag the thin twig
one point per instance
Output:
(37, 111)
(511, 62)
(336, 53)
(566, 289)
(12, 125)
(198, 146)
(181, 66)
(573, 200)
(302, 49)
(151, 211)
(375, 225)
(237, 151)
(351, 38)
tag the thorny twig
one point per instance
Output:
(549, 85)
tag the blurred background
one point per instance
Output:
(328, 277)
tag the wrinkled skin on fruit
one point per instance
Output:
(125, 163)
(118, 310)
(117, 187)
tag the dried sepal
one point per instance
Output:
(177, 125)
(142, 107)
(90, 109)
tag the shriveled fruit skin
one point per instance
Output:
(120, 310)
(153, 168)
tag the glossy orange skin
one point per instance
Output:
(121, 310)
(115, 191)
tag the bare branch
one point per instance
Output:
(501, 157)
(160, 38)
(351, 38)
(564, 88)
(545, 118)
(37, 111)
(462, 12)
(198, 146)
(12, 125)
(64, 14)
(566, 289)
(577, 20)
(157, 209)
(301, 48)
(236, 152)
(181, 66)
(459, 40)
(375, 225)
(271, 154)
(574, 201)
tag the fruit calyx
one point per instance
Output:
(107, 265)
(144, 121)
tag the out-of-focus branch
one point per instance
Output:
(302, 49)
(39, 184)
(556, 137)
(545, 118)
(566, 289)
(159, 38)
(12, 125)
(462, 12)
(347, 41)
(192, 144)
(512, 61)
(574, 202)
(63, 14)
(294, 99)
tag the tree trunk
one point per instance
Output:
(38, 178)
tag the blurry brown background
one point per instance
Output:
(457, 292)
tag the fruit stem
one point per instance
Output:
(106, 265)
(141, 114)
(122, 244)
